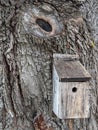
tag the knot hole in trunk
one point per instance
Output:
(44, 25)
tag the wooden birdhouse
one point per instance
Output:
(70, 87)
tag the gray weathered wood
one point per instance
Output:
(69, 104)
(67, 57)
(70, 88)
(70, 69)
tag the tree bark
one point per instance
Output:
(26, 90)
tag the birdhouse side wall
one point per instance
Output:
(56, 87)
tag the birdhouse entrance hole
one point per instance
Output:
(44, 25)
(74, 89)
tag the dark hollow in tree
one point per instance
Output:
(44, 25)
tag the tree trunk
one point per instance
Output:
(26, 59)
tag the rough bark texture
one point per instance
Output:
(26, 64)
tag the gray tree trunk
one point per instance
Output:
(26, 89)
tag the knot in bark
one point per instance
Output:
(42, 21)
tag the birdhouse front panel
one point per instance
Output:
(70, 90)
(72, 100)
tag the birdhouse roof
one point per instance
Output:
(69, 68)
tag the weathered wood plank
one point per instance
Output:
(70, 69)
(70, 88)
(66, 57)
(71, 100)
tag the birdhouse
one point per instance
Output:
(70, 87)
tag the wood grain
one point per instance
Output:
(70, 88)
(69, 104)
(70, 69)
